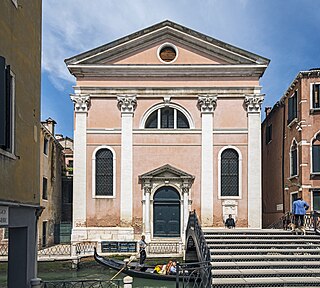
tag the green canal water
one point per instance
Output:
(88, 269)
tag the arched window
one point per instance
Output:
(294, 159)
(229, 172)
(167, 118)
(103, 170)
(316, 154)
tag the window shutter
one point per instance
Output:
(315, 158)
(2, 102)
(8, 107)
(295, 106)
(290, 108)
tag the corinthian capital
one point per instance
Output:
(81, 102)
(207, 103)
(254, 102)
(127, 103)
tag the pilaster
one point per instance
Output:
(147, 230)
(126, 104)
(253, 104)
(207, 105)
(81, 107)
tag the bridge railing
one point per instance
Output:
(311, 221)
(193, 224)
(203, 270)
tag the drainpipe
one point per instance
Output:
(282, 164)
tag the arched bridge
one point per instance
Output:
(197, 249)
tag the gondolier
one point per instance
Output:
(142, 249)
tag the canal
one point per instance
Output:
(88, 269)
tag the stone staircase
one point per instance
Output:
(263, 258)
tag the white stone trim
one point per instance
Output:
(103, 234)
(207, 170)
(311, 144)
(240, 172)
(162, 105)
(254, 168)
(166, 131)
(80, 170)
(93, 159)
(167, 44)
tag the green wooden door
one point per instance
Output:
(166, 212)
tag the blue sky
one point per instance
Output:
(285, 31)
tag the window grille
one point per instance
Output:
(229, 173)
(104, 173)
(170, 118)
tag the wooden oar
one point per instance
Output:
(132, 258)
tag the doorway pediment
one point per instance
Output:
(166, 172)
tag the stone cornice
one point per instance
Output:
(254, 102)
(161, 92)
(149, 71)
(81, 102)
(127, 103)
(207, 103)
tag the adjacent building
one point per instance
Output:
(20, 68)
(291, 148)
(166, 120)
(51, 166)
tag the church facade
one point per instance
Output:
(167, 120)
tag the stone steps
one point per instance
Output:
(273, 258)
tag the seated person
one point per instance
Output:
(230, 222)
(173, 268)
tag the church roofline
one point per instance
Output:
(254, 58)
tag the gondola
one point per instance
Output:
(133, 269)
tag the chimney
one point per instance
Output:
(49, 124)
(267, 110)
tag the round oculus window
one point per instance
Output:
(167, 54)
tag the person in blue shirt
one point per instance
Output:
(299, 208)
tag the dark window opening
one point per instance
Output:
(294, 160)
(6, 106)
(229, 173)
(45, 146)
(316, 96)
(269, 134)
(316, 155)
(316, 200)
(44, 188)
(292, 107)
(168, 120)
(104, 173)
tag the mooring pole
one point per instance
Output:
(177, 275)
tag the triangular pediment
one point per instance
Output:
(141, 48)
(166, 172)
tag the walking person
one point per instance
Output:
(299, 208)
(142, 249)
